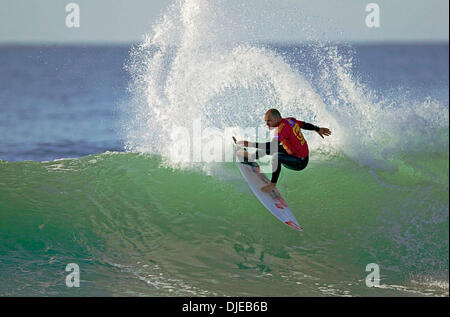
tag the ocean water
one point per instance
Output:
(89, 175)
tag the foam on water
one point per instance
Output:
(198, 75)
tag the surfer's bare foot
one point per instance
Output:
(269, 187)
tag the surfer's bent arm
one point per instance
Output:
(287, 146)
(259, 145)
(267, 145)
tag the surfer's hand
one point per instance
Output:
(324, 131)
(269, 187)
(243, 143)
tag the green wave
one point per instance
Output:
(138, 228)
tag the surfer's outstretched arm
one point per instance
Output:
(259, 145)
(321, 131)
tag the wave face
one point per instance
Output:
(132, 231)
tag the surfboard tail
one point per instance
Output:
(272, 201)
(294, 225)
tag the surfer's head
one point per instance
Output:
(272, 118)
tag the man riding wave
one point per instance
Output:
(289, 144)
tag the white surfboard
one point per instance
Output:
(272, 200)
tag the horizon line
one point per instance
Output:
(269, 42)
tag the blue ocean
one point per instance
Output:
(89, 175)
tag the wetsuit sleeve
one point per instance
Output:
(262, 145)
(309, 126)
(266, 146)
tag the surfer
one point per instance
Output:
(289, 145)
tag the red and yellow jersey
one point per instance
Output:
(291, 138)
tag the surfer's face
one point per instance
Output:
(271, 121)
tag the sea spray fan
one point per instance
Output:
(375, 128)
(195, 65)
(186, 71)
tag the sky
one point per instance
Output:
(125, 21)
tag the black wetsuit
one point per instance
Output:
(283, 158)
